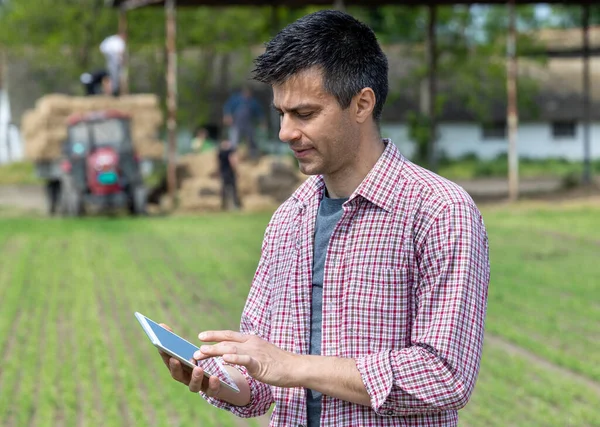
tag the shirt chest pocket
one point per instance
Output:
(377, 310)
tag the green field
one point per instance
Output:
(72, 354)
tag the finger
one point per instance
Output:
(165, 357)
(218, 336)
(240, 359)
(216, 350)
(197, 380)
(214, 387)
(178, 373)
(167, 327)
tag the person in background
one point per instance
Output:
(113, 48)
(96, 83)
(228, 162)
(242, 113)
(200, 139)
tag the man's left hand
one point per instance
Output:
(264, 361)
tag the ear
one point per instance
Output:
(365, 103)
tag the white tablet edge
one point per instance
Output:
(153, 338)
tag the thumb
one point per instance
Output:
(167, 327)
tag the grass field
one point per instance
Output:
(72, 354)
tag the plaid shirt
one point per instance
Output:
(404, 294)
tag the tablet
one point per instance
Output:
(183, 350)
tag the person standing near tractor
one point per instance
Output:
(228, 161)
(241, 113)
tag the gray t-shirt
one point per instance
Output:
(330, 212)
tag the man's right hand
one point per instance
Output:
(194, 379)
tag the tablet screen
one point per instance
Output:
(173, 342)
(185, 350)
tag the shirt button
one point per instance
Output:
(389, 412)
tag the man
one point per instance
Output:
(228, 162)
(368, 304)
(113, 49)
(241, 113)
(96, 83)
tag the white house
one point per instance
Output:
(539, 140)
(556, 131)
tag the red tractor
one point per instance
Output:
(99, 169)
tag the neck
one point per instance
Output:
(343, 183)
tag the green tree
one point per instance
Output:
(568, 16)
(471, 72)
(62, 29)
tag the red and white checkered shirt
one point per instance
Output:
(404, 294)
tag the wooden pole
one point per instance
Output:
(512, 109)
(170, 13)
(125, 66)
(3, 96)
(587, 167)
(431, 85)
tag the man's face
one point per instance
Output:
(324, 137)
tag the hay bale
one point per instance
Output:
(146, 118)
(199, 187)
(200, 194)
(262, 185)
(200, 204)
(139, 135)
(152, 149)
(32, 122)
(248, 179)
(142, 100)
(200, 164)
(54, 105)
(44, 129)
(258, 203)
(278, 188)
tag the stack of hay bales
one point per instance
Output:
(262, 185)
(199, 189)
(44, 128)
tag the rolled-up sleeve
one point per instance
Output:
(256, 320)
(439, 370)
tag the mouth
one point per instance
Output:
(301, 153)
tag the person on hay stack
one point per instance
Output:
(368, 304)
(113, 48)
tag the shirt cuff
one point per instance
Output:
(378, 378)
(257, 394)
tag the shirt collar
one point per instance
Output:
(378, 187)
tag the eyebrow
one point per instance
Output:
(298, 107)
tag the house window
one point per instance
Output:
(562, 130)
(493, 130)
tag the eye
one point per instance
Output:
(304, 115)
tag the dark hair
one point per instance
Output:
(344, 48)
(212, 131)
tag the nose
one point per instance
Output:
(288, 132)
